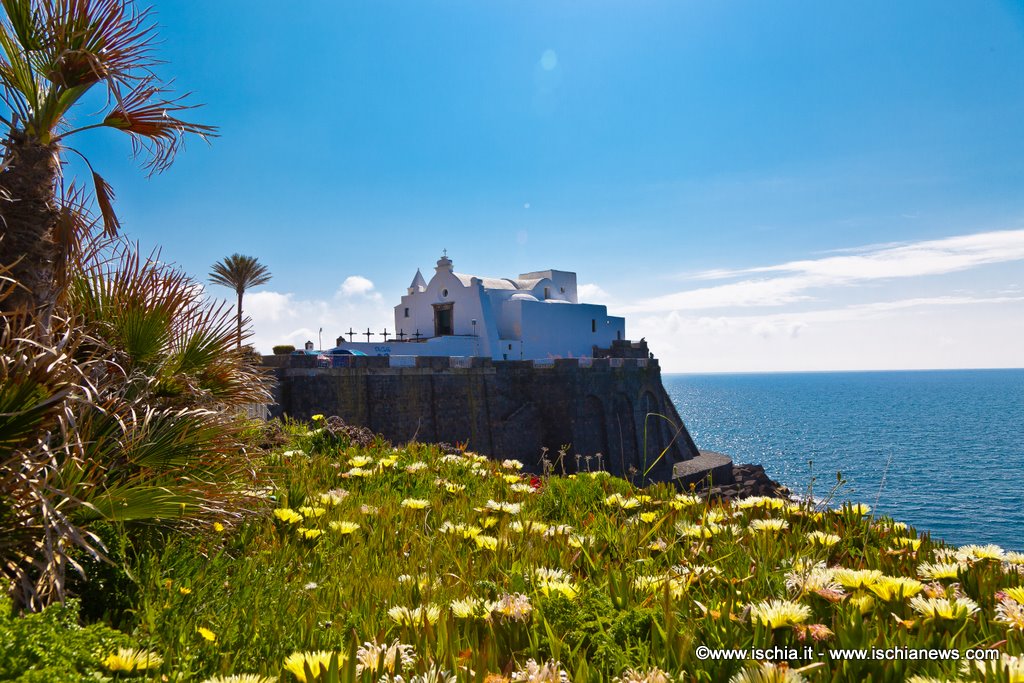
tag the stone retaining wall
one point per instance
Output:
(505, 409)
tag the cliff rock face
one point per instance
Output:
(606, 413)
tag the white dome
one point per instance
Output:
(523, 296)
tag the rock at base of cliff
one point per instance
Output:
(748, 480)
(707, 469)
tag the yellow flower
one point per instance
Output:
(579, 540)
(891, 588)
(648, 516)
(130, 659)
(487, 542)
(553, 586)
(317, 417)
(856, 579)
(183, 590)
(761, 502)
(344, 528)
(620, 501)
(472, 608)
(358, 472)
(207, 634)
(388, 462)
(1016, 594)
(823, 539)
(1014, 558)
(297, 662)
(912, 543)
(360, 461)
(309, 534)
(713, 516)
(489, 522)
(288, 516)
(939, 570)
(416, 503)
(656, 583)
(684, 500)
(311, 512)
(943, 608)
(404, 616)
(333, 498)
(865, 603)
(769, 525)
(529, 526)
(688, 530)
(511, 478)
(972, 553)
(218, 527)
(452, 487)
(858, 508)
(779, 613)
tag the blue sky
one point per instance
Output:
(756, 186)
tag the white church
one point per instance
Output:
(535, 316)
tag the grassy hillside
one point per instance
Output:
(372, 562)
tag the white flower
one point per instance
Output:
(549, 672)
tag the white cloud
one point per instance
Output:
(793, 281)
(357, 285)
(590, 293)
(283, 318)
(922, 332)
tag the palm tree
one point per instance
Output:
(127, 415)
(53, 53)
(239, 273)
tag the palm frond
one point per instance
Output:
(149, 117)
(26, 21)
(86, 41)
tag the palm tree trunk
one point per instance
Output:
(28, 216)
(240, 293)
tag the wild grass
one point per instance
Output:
(428, 566)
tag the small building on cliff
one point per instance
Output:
(535, 316)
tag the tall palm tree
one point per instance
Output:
(240, 273)
(53, 53)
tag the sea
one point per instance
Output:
(942, 450)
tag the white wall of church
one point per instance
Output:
(567, 330)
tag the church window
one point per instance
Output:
(593, 325)
(547, 292)
(406, 311)
(444, 292)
